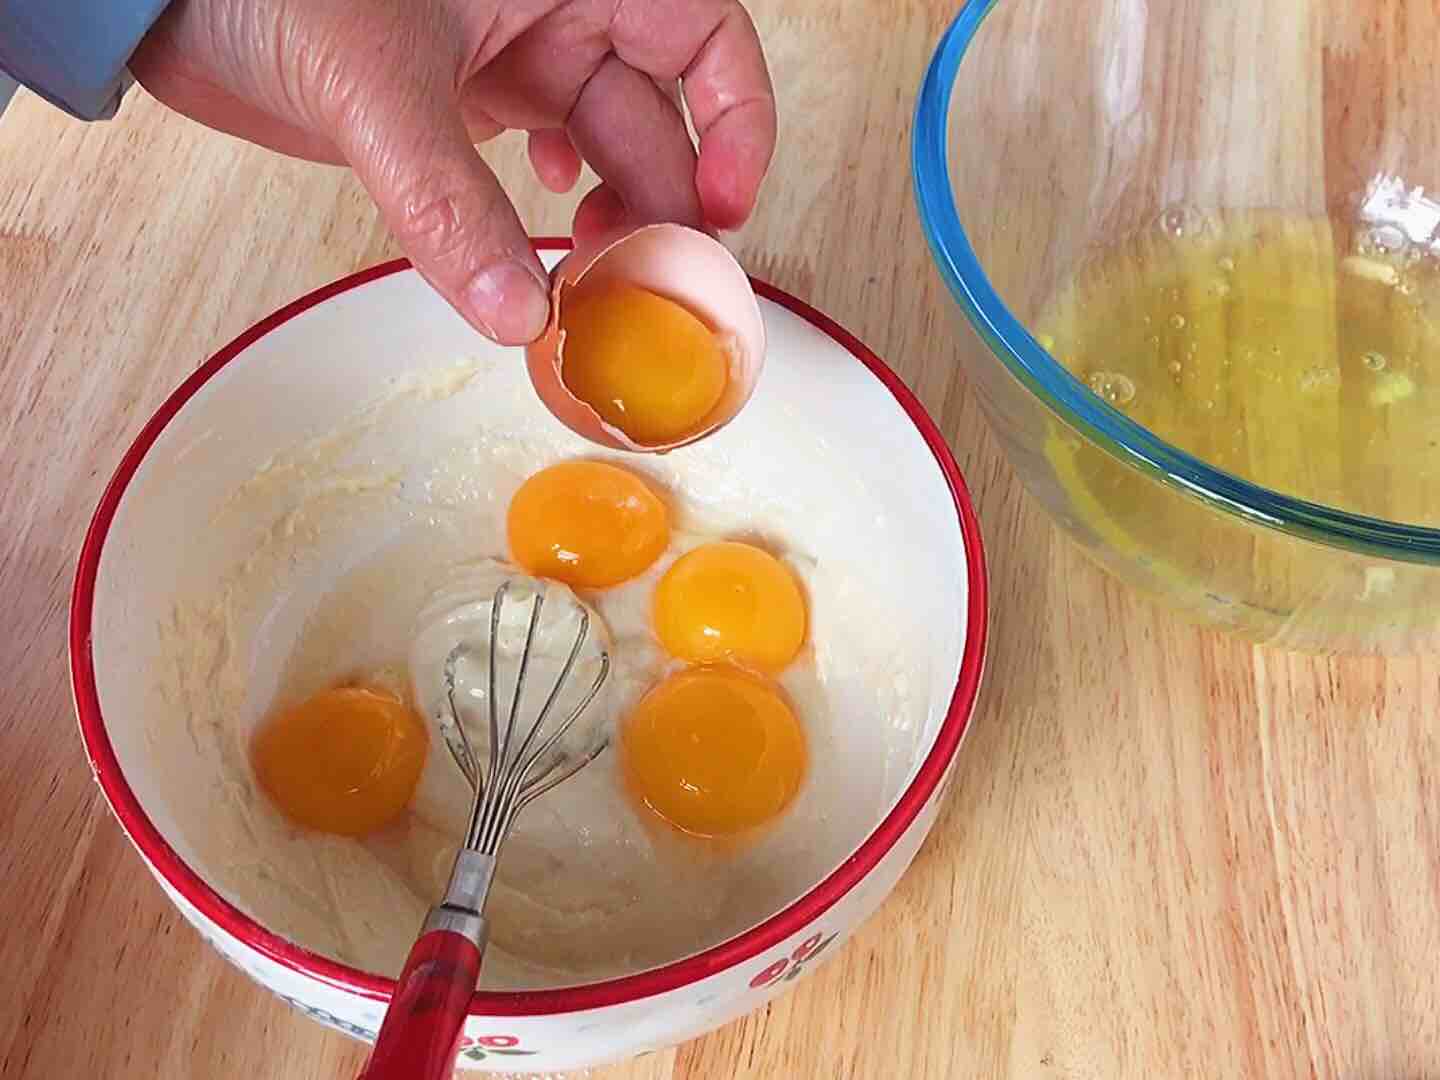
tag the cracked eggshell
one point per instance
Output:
(682, 264)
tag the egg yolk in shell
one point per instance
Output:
(345, 761)
(714, 750)
(644, 363)
(585, 523)
(730, 601)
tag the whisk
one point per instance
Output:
(420, 1035)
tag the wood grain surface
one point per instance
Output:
(1166, 853)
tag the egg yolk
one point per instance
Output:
(345, 761)
(714, 751)
(644, 363)
(730, 601)
(587, 524)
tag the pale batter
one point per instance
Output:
(350, 548)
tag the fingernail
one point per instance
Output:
(509, 302)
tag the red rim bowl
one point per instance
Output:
(486, 1003)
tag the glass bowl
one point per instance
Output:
(1047, 132)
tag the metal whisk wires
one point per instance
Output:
(514, 777)
(421, 1029)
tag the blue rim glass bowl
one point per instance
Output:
(1026, 103)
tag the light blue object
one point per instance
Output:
(71, 52)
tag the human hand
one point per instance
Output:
(401, 92)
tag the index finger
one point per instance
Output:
(713, 48)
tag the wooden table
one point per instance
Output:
(1167, 853)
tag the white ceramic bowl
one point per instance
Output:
(321, 357)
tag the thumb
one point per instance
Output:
(410, 148)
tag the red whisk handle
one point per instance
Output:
(421, 1032)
